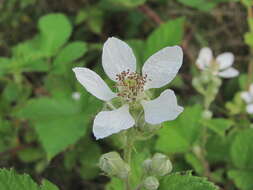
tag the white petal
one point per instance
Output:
(247, 97)
(163, 66)
(229, 73)
(163, 108)
(117, 57)
(205, 57)
(107, 123)
(225, 60)
(249, 108)
(93, 83)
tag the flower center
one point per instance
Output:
(214, 66)
(130, 85)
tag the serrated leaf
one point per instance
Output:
(71, 52)
(219, 125)
(242, 178)
(242, 149)
(186, 182)
(58, 122)
(10, 180)
(168, 34)
(55, 30)
(180, 134)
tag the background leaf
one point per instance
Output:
(179, 135)
(58, 122)
(242, 149)
(167, 34)
(10, 180)
(186, 182)
(55, 30)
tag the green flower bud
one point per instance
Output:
(207, 114)
(151, 183)
(113, 165)
(147, 166)
(161, 165)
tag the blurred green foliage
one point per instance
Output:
(46, 132)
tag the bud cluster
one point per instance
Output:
(130, 85)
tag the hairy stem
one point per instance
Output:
(127, 157)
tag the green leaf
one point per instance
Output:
(202, 5)
(242, 178)
(248, 38)
(219, 126)
(58, 122)
(168, 34)
(242, 149)
(55, 30)
(194, 162)
(10, 180)
(115, 184)
(46, 185)
(138, 46)
(137, 168)
(121, 4)
(247, 3)
(180, 134)
(30, 154)
(186, 182)
(89, 161)
(218, 148)
(5, 66)
(71, 52)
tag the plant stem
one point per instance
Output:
(250, 66)
(127, 157)
(150, 14)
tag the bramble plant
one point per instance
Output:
(131, 110)
(166, 104)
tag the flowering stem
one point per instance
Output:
(127, 157)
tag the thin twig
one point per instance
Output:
(150, 14)
(250, 66)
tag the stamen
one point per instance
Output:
(130, 85)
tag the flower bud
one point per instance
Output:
(151, 183)
(207, 114)
(161, 165)
(113, 165)
(147, 165)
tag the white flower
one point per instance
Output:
(119, 64)
(247, 96)
(76, 95)
(221, 65)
